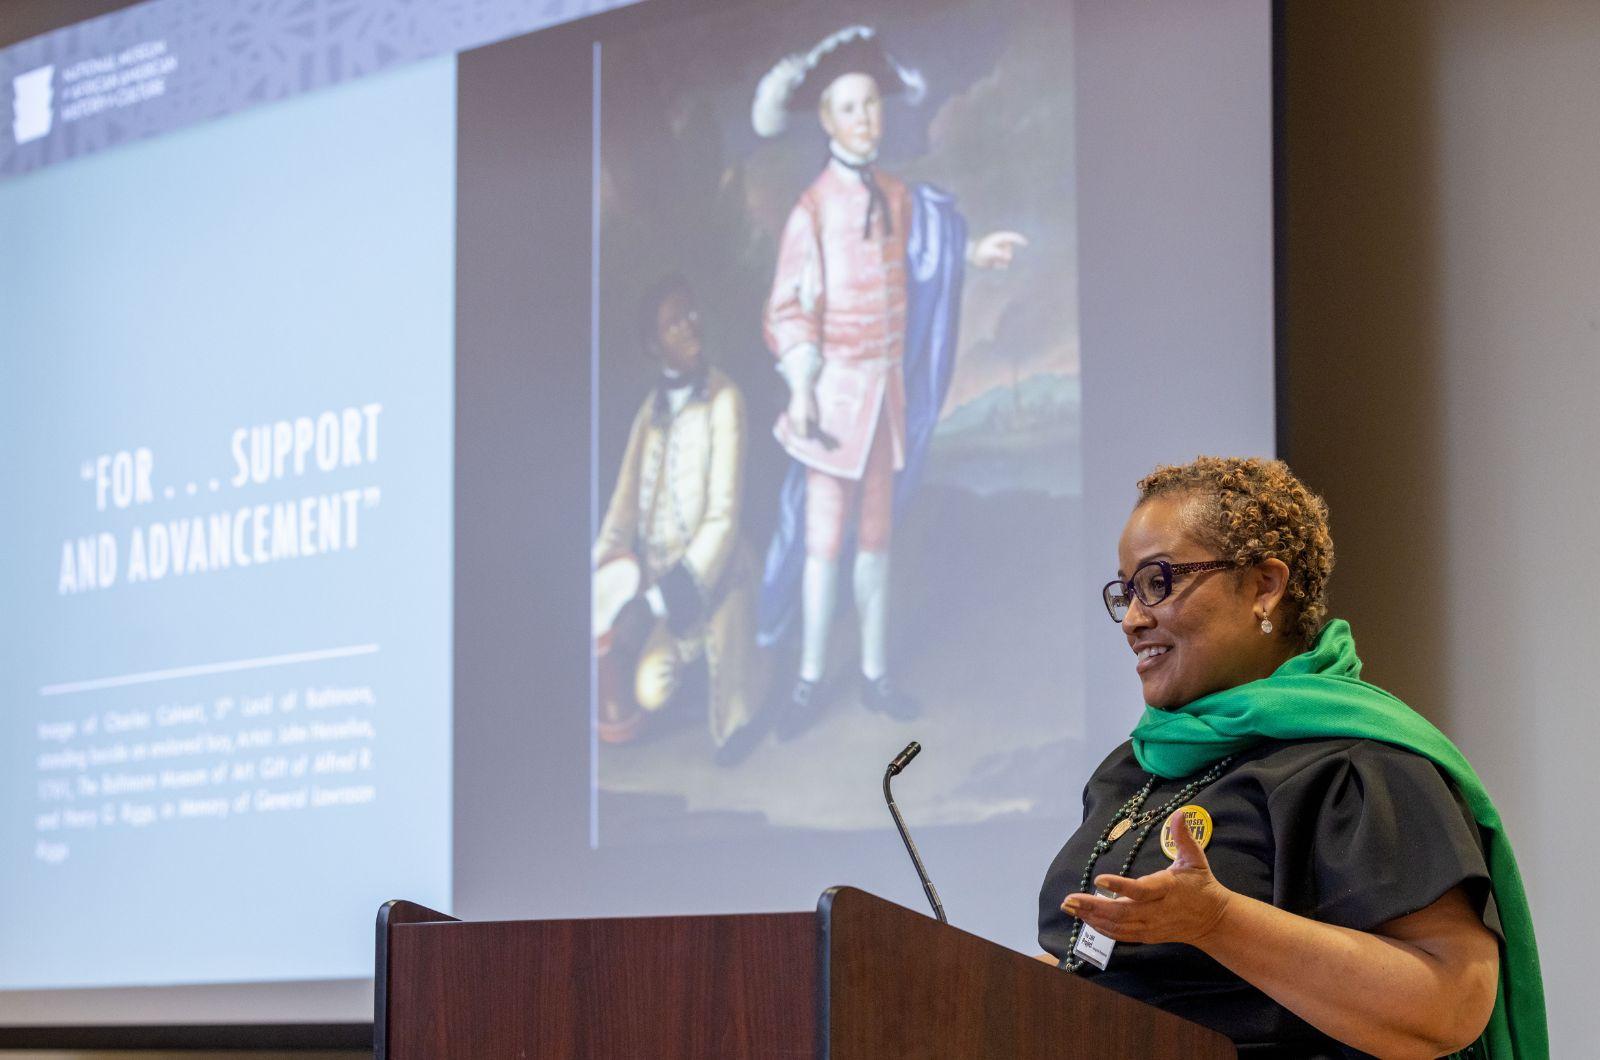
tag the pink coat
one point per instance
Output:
(846, 297)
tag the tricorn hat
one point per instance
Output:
(796, 82)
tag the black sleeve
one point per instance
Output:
(1370, 833)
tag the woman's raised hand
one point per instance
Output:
(1181, 903)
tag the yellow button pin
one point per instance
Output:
(1198, 822)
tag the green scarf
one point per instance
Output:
(1320, 695)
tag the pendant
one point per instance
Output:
(1120, 829)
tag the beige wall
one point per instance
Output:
(1444, 338)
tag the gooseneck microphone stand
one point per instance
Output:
(902, 760)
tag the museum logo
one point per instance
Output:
(32, 96)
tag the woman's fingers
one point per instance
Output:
(1177, 904)
(1144, 889)
(1086, 906)
(1118, 919)
(1123, 890)
(1100, 905)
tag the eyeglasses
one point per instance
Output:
(1151, 583)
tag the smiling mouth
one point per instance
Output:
(1148, 657)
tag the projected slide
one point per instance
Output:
(837, 463)
(228, 403)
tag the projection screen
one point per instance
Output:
(409, 496)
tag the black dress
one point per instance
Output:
(1348, 832)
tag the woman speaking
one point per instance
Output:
(1282, 851)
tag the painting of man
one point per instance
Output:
(862, 319)
(911, 478)
(673, 578)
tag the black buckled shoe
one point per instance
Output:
(743, 740)
(881, 697)
(798, 711)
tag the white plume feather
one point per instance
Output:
(769, 112)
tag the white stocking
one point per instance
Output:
(872, 608)
(818, 592)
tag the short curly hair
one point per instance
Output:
(1250, 509)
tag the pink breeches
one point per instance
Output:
(830, 501)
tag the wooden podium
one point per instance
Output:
(859, 979)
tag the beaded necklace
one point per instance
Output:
(1133, 815)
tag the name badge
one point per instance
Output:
(1093, 947)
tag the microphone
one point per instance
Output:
(904, 758)
(900, 762)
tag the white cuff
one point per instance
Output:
(800, 365)
(658, 604)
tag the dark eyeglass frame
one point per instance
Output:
(1125, 588)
